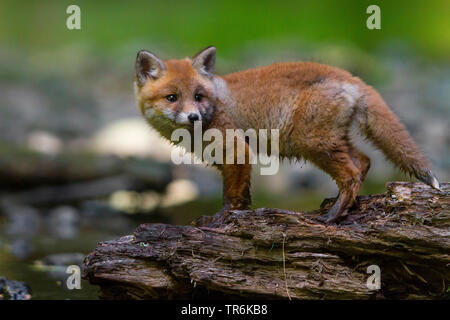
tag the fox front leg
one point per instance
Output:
(236, 186)
(236, 175)
(236, 193)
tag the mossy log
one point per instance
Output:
(277, 254)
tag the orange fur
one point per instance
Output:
(312, 105)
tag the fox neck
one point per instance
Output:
(223, 93)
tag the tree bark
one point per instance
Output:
(277, 254)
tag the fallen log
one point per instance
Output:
(36, 179)
(24, 169)
(277, 254)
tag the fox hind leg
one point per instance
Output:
(360, 160)
(342, 168)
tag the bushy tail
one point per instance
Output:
(384, 129)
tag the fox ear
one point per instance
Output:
(148, 66)
(204, 61)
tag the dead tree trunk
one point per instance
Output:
(277, 254)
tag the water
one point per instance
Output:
(49, 282)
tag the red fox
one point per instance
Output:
(312, 105)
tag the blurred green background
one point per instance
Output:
(229, 25)
(77, 163)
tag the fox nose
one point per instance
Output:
(193, 117)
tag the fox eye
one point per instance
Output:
(198, 97)
(171, 97)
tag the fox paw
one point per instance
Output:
(215, 220)
(334, 214)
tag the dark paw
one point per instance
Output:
(326, 218)
(213, 221)
(203, 221)
(334, 214)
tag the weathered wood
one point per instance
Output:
(272, 253)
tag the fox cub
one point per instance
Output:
(312, 105)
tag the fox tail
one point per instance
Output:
(382, 127)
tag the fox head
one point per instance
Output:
(176, 93)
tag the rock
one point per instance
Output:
(55, 265)
(63, 222)
(98, 209)
(22, 221)
(21, 248)
(63, 259)
(14, 290)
